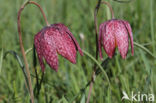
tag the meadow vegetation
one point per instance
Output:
(135, 73)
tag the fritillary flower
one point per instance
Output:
(53, 40)
(114, 33)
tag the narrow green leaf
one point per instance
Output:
(99, 65)
(83, 98)
(145, 49)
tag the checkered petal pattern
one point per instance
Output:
(53, 40)
(114, 33)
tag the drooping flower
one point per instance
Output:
(114, 33)
(55, 39)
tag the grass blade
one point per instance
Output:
(145, 49)
(1, 61)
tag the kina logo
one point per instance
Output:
(138, 97)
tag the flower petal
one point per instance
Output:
(121, 36)
(38, 49)
(70, 47)
(74, 40)
(130, 35)
(56, 39)
(49, 50)
(65, 46)
(109, 39)
(63, 42)
(102, 30)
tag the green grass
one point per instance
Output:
(135, 73)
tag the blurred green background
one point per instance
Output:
(135, 73)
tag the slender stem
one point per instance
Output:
(37, 82)
(23, 53)
(1, 60)
(90, 89)
(152, 25)
(110, 7)
(21, 43)
(35, 69)
(95, 24)
(40, 84)
(32, 2)
(97, 50)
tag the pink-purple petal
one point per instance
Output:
(65, 46)
(101, 31)
(108, 39)
(121, 36)
(115, 33)
(53, 40)
(49, 51)
(38, 49)
(74, 40)
(130, 35)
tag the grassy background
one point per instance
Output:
(136, 73)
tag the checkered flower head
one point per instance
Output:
(114, 33)
(53, 40)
